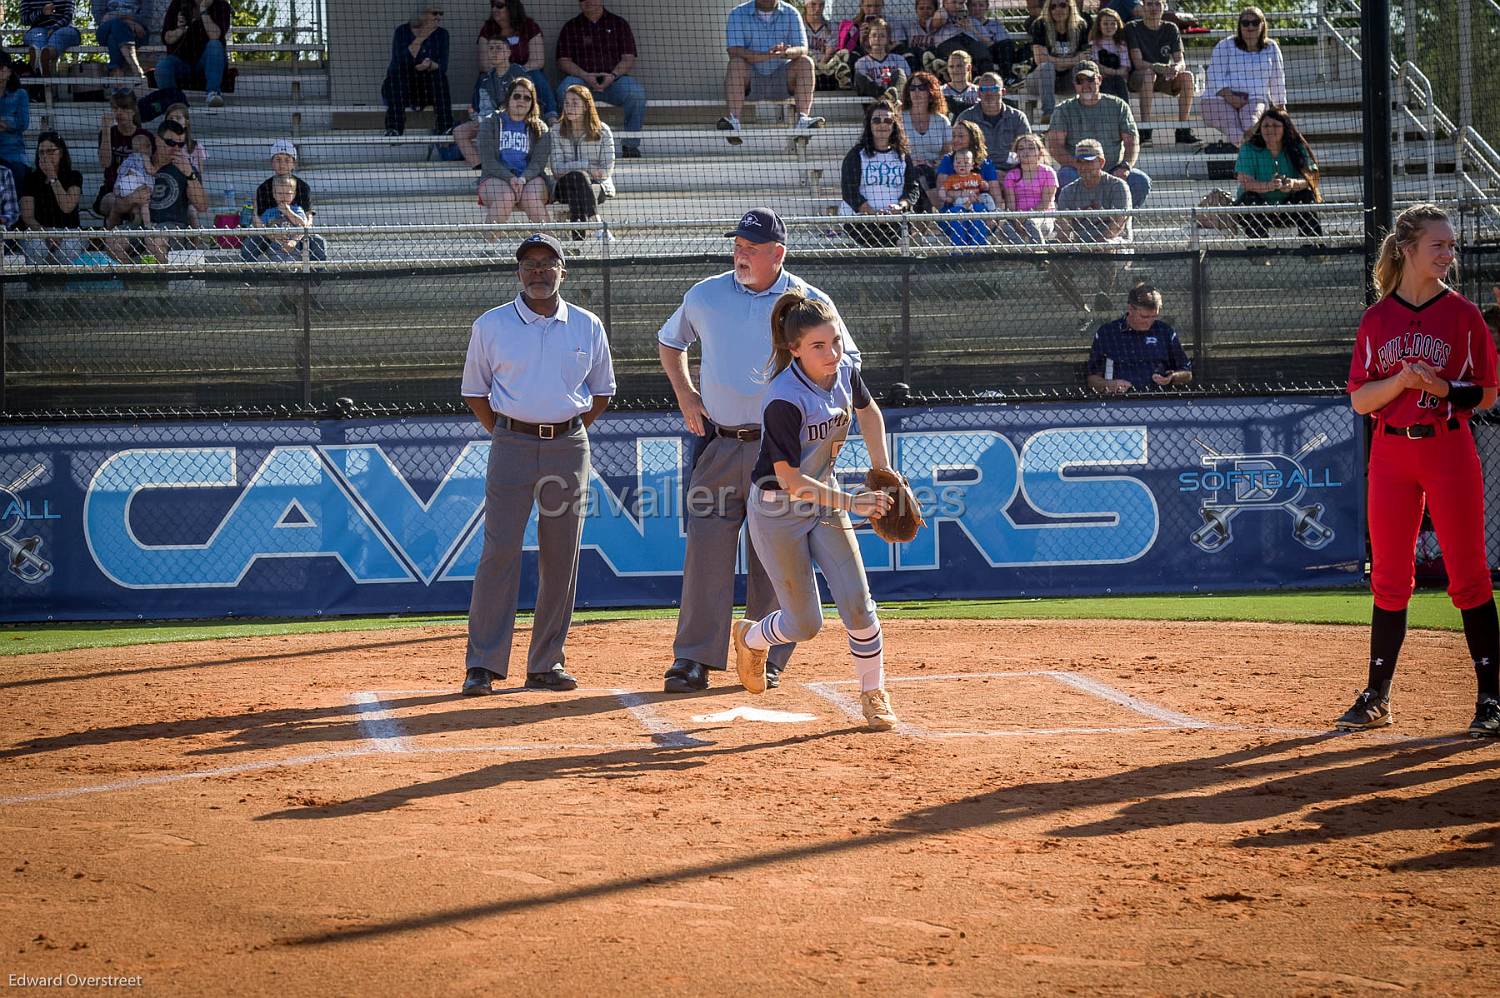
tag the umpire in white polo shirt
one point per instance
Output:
(538, 372)
(730, 317)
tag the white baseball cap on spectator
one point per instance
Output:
(1089, 149)
(283, 146)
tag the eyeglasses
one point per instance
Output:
(882, 121)
(537, 267)
(1250, 22)
(174, 145)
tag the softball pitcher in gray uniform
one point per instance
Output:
(799, 518)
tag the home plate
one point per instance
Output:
(755, 714)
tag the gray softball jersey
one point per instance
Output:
(805, 425)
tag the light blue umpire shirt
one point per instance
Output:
(733, 324)
(748, 28)
(538, 368)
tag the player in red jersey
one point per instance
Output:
(1423, 361)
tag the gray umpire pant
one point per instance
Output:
(523, 470)
(718, 490)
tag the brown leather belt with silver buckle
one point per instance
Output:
(749, 435)
(1423, 430)
(546, 431)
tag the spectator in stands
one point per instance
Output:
(951, 36)
(1059, 42)
(915, 36)
(583, 156)
(1277, 166)
(960, 92)
(597, 49)
(176, 192)
(488, 97)
(134, 184)
(830, 63)
(965, 190)
(15, 118)
(878, 177)
(515, 146)
(1107, 120)
(968, 135)
(120, 25)
(852, 31)
(284, 214)
(989, 32)
(879, 72)
(196, 35)
(418, 73)
(10, 205)
(1000, 123)
(197, 151)
(928, 133)
(1138, 350)
(49, 32)
(49, 200)
(1096, 191)
(117, 131)
(528, 49)
(1245, 76)
(1491, 312)
(283, 164)
(768, 60)
(1031, 186)
(1109, 49)
(1160, 67)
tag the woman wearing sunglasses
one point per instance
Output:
(514, 147)
(1245, 76)
(418, 73)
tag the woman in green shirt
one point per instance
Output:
(1277, 166)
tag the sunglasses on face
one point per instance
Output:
(882, 121)
(520, 97)
(1086, 78)
(1250, 23)
(174, 145)
(989, 88)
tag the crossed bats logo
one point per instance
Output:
(22, 554)
(1268, 481)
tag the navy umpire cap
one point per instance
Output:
(760, 225)
(540, 239)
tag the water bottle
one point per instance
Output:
(247, 215)
(231, 197)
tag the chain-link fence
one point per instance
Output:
(384, 316)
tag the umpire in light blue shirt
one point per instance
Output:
(538, 372)
(729, 316)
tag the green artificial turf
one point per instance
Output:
(1338, 606)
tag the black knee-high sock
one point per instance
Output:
(1482, 632)
(1387, 631)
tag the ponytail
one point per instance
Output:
(793, 315)
(1390, 262)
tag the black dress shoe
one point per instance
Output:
(477, 683)
(556, 680)
(686, 676)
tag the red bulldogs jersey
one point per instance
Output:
(1448, 333)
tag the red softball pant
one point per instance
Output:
(1444, 471)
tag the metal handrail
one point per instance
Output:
(1408, 77)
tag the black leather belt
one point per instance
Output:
(546, 431)
(1423, 430)
(749, 435)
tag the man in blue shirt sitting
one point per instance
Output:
(1138, 350)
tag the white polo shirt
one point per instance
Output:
(538, 368)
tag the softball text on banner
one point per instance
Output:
(253, 519)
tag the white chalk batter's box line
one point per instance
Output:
(1168, 720)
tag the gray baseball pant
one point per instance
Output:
(790, 545)
(718, 489)
(524, 470)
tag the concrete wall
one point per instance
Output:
(680, 43)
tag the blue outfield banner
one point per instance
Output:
(221, 519)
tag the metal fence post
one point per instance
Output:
(305, 350)
(1465, 64)
(607, 290)
(4, 330)
(905, 300)
(1199, 284)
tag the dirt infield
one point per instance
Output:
(1084, 808)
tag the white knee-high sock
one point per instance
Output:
(766, 632)
(868, 649)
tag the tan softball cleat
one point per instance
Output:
(876, 706)
(748, 662)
